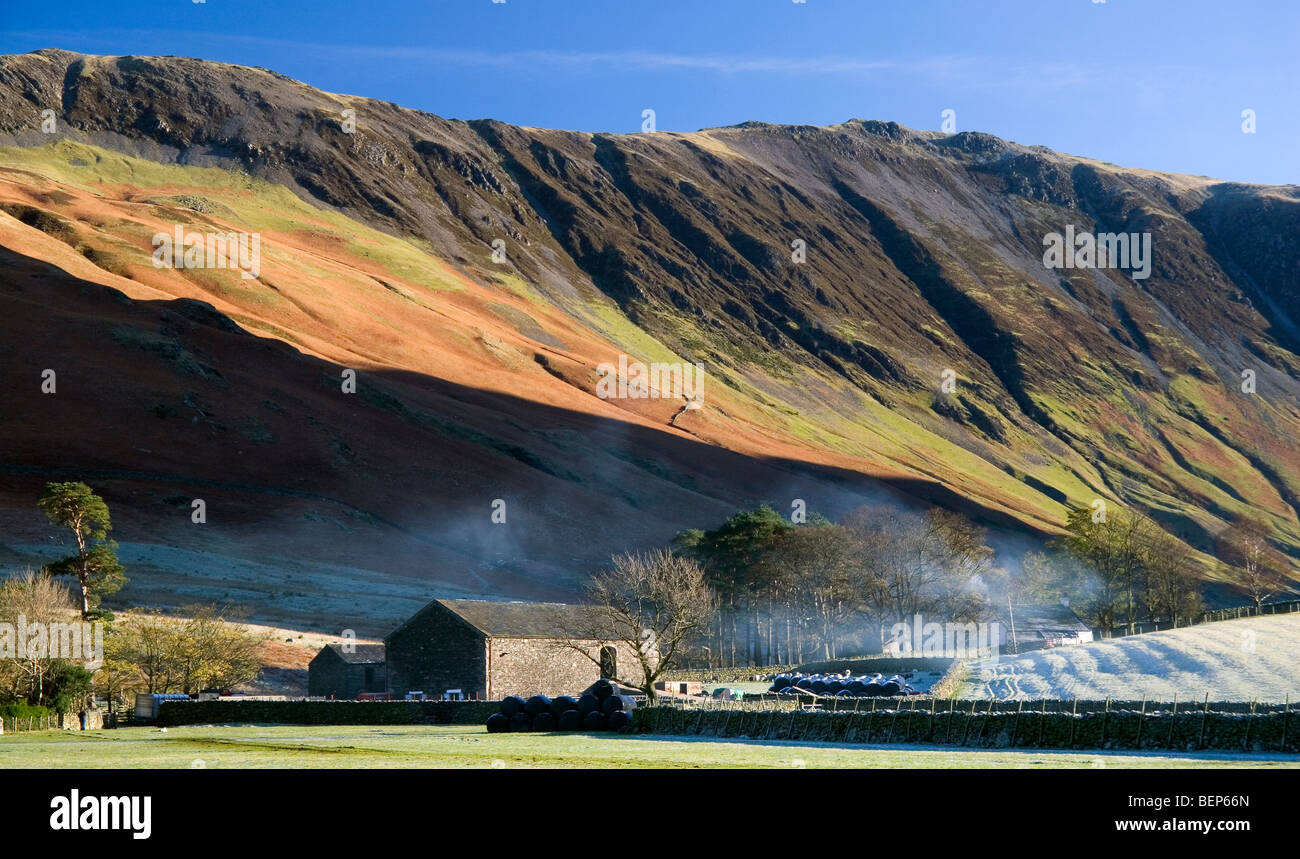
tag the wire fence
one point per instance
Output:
(1145, 626)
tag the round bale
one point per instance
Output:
(587, 703)
(512, 704)
(594, 721)
(562, 703)
(618, 720)
(498, 723)
(616, 703)
(569, 720)
(544, 722)
(537, 705)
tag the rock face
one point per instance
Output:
(828, 280)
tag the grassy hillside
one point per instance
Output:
(823, 369)
(1237, 660)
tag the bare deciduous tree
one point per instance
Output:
(1260, 569)
(651, 603)
(931, 563)
(38, 599)
(1173, 586)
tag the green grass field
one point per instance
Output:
(261, 746)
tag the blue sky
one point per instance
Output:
(1142, 83)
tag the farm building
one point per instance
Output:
(345, 671)
(1034, 627)
(489, 650)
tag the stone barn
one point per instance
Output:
(489, 650)
(335, 671)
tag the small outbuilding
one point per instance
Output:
(1040, 626)
(488, 650)
(346, 670)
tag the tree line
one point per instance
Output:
(204, 647)
(789, 592)
(760, 589)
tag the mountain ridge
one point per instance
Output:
(923, 255)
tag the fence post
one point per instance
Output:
(1073, 712)
(966, 730)
(1170, 742)
(1142, 717)
(1104, 720)
(1245, 746)
(1015, 729)
(1285, 720)
(1205, 714)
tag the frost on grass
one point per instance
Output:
(1239, 660)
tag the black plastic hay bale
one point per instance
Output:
(603, 688)
(544, 722)
(857, 688)
(512, 704)
(498, 723)
(892, 686)
(781, 682)
(616, 703)
(804, 683)
(569, 720)
(521, 722)
(588, 703)
(819, 686)
(563, 703)
(618, 720)
(537, 705)
(594, 721)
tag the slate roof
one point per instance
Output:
(363, 654)
(524, 619)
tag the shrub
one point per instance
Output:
(22, 711)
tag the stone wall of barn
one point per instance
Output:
(328, 675)
(544, 666)
(436, 651)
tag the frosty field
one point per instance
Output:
(1237, 660)
(263, 746)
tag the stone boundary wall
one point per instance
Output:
(326, 712)
(1189, 730)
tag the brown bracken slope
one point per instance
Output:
(922, 253)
